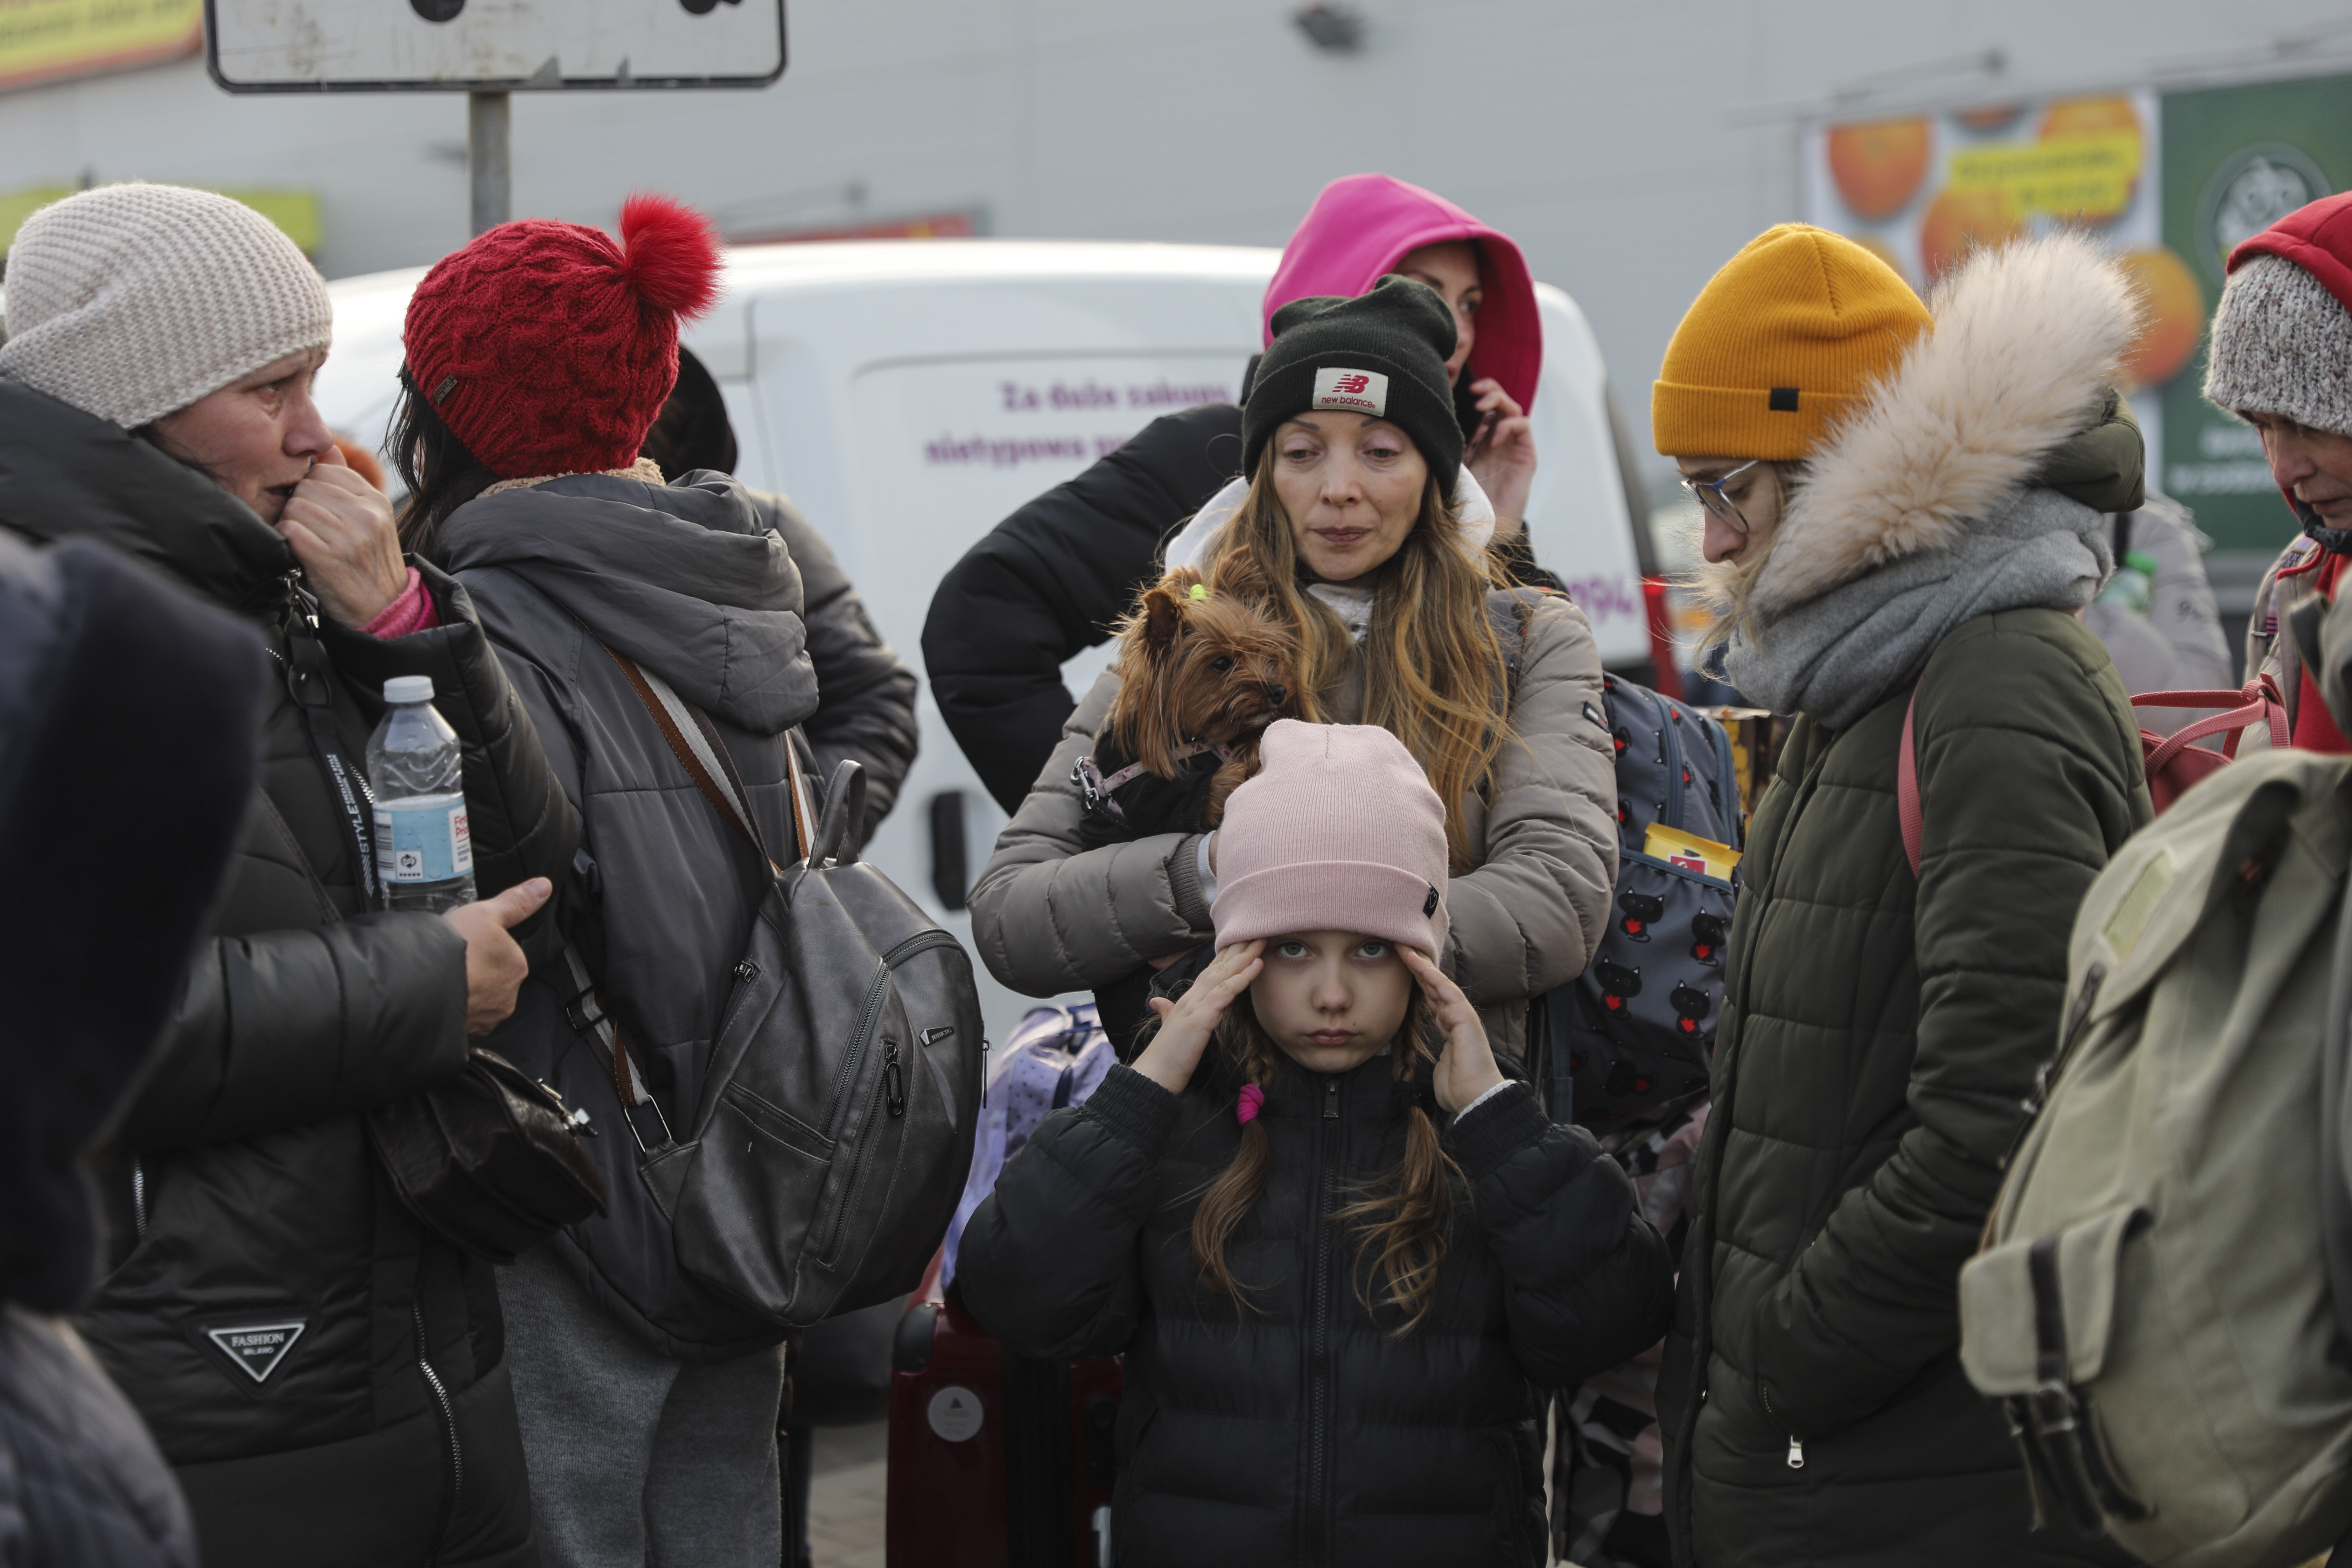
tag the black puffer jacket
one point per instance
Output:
(1302, 1429)
(1047, 583)
(865, 693)
(686, 581)
(243, 1192)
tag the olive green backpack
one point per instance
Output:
(2152, 1304)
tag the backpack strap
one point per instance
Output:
(695, 742)
(1907, 788)
(603, 1037)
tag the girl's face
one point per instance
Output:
(1331, 999)
(1351, 487)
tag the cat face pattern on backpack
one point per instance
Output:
(1632, 1036)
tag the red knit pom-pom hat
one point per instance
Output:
(548, 349)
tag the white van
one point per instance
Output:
(910, 395)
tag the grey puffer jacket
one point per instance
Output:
(687, 581)
(865, 693)
(1049, 915)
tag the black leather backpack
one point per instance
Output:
(835, 1125)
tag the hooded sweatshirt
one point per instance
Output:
(686, 581)
(1050, 581)
(1362, 225)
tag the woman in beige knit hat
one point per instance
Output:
(325, 1374)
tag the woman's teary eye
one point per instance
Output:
(1291, 949)
(1372, 950)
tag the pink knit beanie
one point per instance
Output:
(1339, 831)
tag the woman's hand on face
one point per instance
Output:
(1468, 1069)
(1186, 1024)
(1502, 455)
(342, 530)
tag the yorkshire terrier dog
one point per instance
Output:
(1201, 674)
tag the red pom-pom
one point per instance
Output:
(670, 255)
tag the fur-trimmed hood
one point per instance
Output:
(2028, 340)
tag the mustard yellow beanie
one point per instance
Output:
(1792, 335)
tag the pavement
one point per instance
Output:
(846, 1517)
(845, 1497)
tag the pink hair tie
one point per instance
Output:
(1246, 1109)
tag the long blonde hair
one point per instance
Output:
(1401, 1225)
(1434, 674)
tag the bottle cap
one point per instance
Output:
(408, 689)
(2140, 560)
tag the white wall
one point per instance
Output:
(1630, 148)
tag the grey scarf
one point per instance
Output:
(1838, 655)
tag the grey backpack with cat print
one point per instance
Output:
(1629, 1039)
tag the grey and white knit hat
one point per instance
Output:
(132, 301)
(2281, 344)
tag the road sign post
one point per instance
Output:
(490, 49)
(489, 166)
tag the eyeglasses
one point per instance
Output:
(1709, 494)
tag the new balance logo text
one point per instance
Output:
(1353, 390)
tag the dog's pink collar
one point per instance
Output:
(1095, 789)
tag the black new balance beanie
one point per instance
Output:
(1381, 353)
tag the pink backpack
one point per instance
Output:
(2174, 762)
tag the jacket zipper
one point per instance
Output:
(448, 1429)
(890, 1084)
(1700, 1243)
(1796, 1443)
(139, 1197)
(1319, 1343)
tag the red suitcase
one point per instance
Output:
(996, 1460)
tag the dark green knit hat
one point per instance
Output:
(1381, 353)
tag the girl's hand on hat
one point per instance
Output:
(1187, 1023)
(1468, 1069)
(342, 530)
(1502, 454)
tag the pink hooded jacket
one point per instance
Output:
(1363, 225)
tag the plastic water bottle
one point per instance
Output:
(2130, 584)
(423, 852)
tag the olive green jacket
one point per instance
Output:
(1879, 1034)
